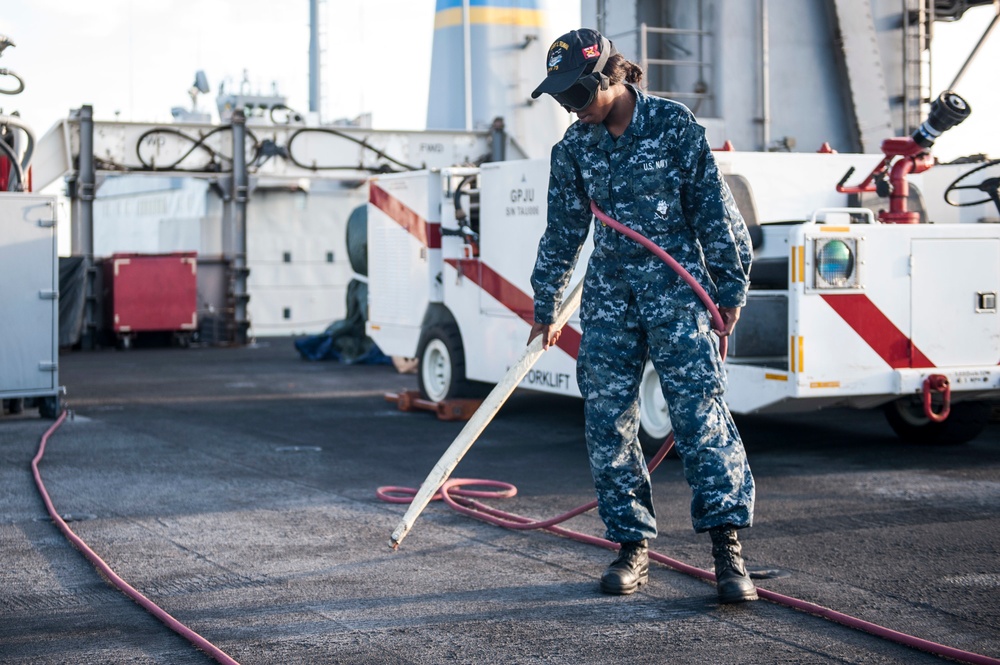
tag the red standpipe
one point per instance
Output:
(913, 158)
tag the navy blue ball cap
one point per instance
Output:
(570, 58)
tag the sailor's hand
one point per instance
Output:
(549, 332)
(730, 315)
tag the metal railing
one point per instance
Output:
(660, 71)
(918, 21)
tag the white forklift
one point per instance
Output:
(850, 305)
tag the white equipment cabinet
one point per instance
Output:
(29, 323)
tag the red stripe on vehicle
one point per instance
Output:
(877, 330)
(513, 298)
(428, 233)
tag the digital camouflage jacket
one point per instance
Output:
(658, 178)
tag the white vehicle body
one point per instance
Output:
(922, 298)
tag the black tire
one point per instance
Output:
(357, 240)
(441, 373)
(49, 407)
(966, 421)
(654, 418)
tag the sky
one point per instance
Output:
(135, 59)
(138, 58)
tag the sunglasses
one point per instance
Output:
(578, 96)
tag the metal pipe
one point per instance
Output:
(240, 196)
(979, 45)
(82, 224)
(314, 57)
(498, 141)
(643, 56)
(17, 170)
(701, 44)
(14, 121)
(765, 77)
(931, 18)
(19, 88)
(467, 52)
(670, 31)
(906, 67)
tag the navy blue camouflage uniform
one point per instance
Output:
(659, 178)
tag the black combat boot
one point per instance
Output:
(629, 569)
(732, 581)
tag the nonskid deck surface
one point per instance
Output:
(236, 488)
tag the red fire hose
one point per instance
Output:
(148, 605)
(658, 251)
(463, 500)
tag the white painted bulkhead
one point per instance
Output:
(296, 243)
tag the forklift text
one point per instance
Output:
(537, 377)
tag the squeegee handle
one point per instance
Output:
(480, 419)
(491, 405)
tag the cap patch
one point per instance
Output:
(591, 52)
(556, 53)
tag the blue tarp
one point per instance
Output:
(345, 340)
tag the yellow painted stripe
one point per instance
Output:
(835, 229)
(824, 384)
(775, 377)
(802, 263)
(796, 354)
(447, 18)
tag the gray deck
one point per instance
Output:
(235, 487)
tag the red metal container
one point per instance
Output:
(151, 292)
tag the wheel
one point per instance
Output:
(654, 417)
(49, 407)
(988, 186)
(357, 240)
(966, 421)
(442, 363)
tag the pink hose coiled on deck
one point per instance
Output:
(462, 500)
